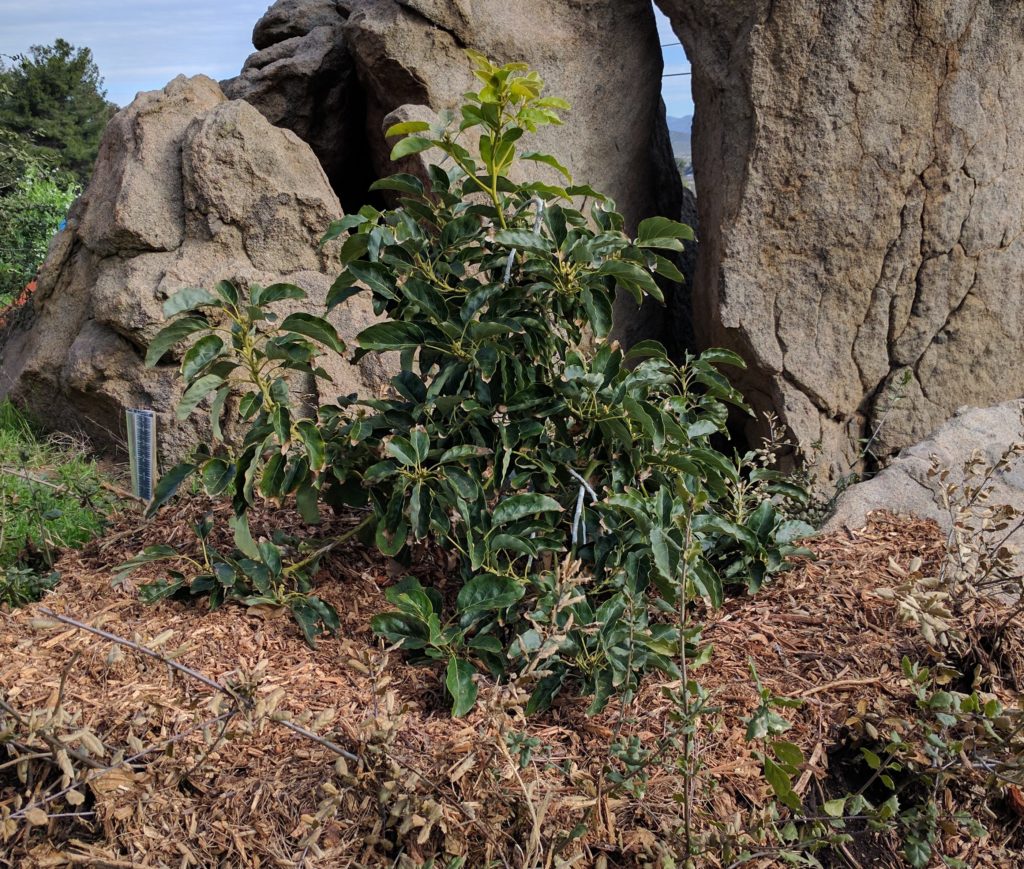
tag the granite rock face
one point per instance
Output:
(909, 487)
(288, 19)
(303, 78)
(189, 189)
(861, 175)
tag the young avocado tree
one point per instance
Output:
(575, 481)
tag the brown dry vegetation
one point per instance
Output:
(221, 783)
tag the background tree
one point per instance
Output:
(31, 211)
(53, 99)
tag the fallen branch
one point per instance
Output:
(297, 729)
(199, 677)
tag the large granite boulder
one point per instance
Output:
(288, 19)
(910, 486)
(861, 171)
(303, 78)
(189, 189)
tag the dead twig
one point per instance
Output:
(199, 677)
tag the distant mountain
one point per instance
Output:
(679, 133)
(680, 125)
(681, 144)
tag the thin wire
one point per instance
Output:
(675, 74)
(670, 44)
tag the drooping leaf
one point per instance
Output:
(189, 299)
(460, 685)
(201, 354)
(168, 484)
(313, 327)
(243, 537)
(390, 336)
(217, 475)
(548, 160)
(401, 183)
(520, 506)
(171, 335)
(314, 443)
(655, 229)
(780, 783)
(307, 501)
(276, 293)
(403, 450)
(196, 393)
(158, 552)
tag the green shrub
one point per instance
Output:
(30, 213)
(24, 585)
(575, 481)
(51, 499)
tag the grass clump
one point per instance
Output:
(51, 499)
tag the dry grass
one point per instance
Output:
(242, 791)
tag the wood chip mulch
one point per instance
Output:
(228, 786)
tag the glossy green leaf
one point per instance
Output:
(410, 145)
(168, 484)
(780, 783)
(171, 335)
(403, 450)
(201, 354)
(188, 300)
(314, 442)
(243, 537)
(488, 592)
(313, 327)
(217, 476)
(548, 160)
(519, 506)
(460, 685)
(655, 228)
(788, 753)
(390, 336)
(196, 393)
(276, 293)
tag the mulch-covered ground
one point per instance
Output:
(217, 781)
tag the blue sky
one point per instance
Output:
(675, 89)
(142, 45)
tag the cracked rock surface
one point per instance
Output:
(861, 174)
